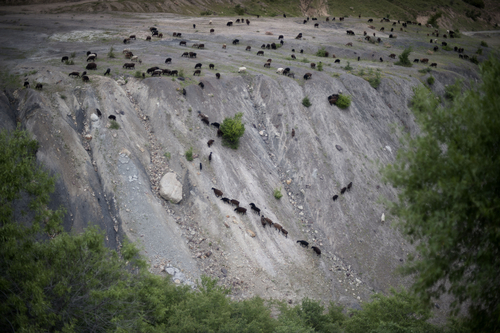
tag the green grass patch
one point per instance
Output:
(189, 154)
(344, 101)
(277, 193)
(113, 124)
(433, 19)
(306, 102)
(404, 58)
(430, 80)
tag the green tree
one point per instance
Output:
(404, 58)
(233, 130)
(449, 201)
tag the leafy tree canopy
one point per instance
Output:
(233, 129)
(449, 198)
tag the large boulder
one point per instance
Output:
(171, 188)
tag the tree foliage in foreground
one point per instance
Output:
(233, 129)
(73, 283)
(449, 201)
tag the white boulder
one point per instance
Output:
(171, 188)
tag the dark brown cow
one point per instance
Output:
(218, 193)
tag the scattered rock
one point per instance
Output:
(171, 188)
(251, 233)
(88, 137)
(94, 117)
(338, 148)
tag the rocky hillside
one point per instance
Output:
(110, 175)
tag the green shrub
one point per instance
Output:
(239, 10)
(361, 72)
(447, 48)
(452, 91)
(344, 101)
(306, 102)
(348, 67)
(189, 154)
(375, 81)
(167, 155)
(206, 12)
(433, 19)
(475, 3)
(479, 51)
(430, 80)
(72, 55)
(321, 52)
(404, 59)
(304, 60)
(424, 70)
(111, 54)
(69, 62)
(474, 60)
(113, 124)
(277, 193)
(181, 72)
(319, 67)
(483, 43)
(138, 74)
(472, 14)
(233, 130)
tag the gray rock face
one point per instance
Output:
(171, 188)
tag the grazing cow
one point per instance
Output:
(350, 32)
(335, 197)
(392, 36)
(26, 84)
(217, 75)
(85, 78)
(242, 70)
(273, 46)
(132, 37)
(217, 125)
(348, 44)
(349, 186)
(168, 61)
(424, 60)
(212, 31)
(210, 142)
(198, 65)
(174, 72)
(313, 65)
(370, 20)
(284, 232)
(278, 227)
(77, 74)
(434, 64)
(249, 48)
(39, 86)
(91, 58)
(129, 65)
(280, 37)
(194, 45)
(182, 42)
(240, 210)
(382, 29)
(148, 38)
(263, 221)
(416, 60)
(211, 66)
(303, 243)
(112, 117)
(236, 41)
(342, 191)
(201, 167)
(185, 54)
(436, 48)
(226, 200)
(229, 24)
(254, 208)
(293, 132)
(166, 71)
(444, 44)
(267, 64)
(248, 21)
(157, 72)
(134, 58)
(235, 202)
(152, 69)
(201, 46)
(65, 58)
(160, 35)
(183, 90)
(381, 60)
(332, 99)
(202, 86)
(155, 33)
(307, 76)
(337, 61)
(392, 55)
(268, 46)
(127, 40)
(91, 66)
(223, 46)
(379, 40)
(218, 193)
(316, 25)
(317, 250)
(269, 221)
(219, 133)
(359, 58)
(279, 71)
(305, 21)
(194, 26)
(192, 54)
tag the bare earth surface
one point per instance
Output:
(111, 177)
